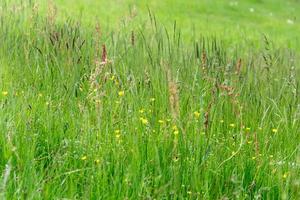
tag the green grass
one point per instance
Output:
(233, 21)
(176, 114)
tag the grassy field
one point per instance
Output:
(128, 104)
(234, 21)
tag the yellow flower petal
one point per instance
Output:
(274, 130)
(197, 114)
(4, 93)
(144, 121)
(121, 93)
(161, 121)
(142, 110)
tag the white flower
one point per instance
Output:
(289, 21)
(233, 3)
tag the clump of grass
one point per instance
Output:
(106, 118)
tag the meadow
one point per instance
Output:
(149, 100)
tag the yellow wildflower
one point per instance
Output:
(144, 121)
(121, 93)
(142, 110)
(197, 114)
(83, 158)
(118, 136)
(221, 121)
(247, 129)
(232, 125)
(152, 99)
(97, 161)
(161, 121)
(285, 175)
(274, 130)
(175, 129)
(4, 93)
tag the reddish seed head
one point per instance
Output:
(204, 59)
(132, 38)
(104, 53)
(238, 66)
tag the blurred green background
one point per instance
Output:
(234, 21)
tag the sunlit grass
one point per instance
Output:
(140, 111)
